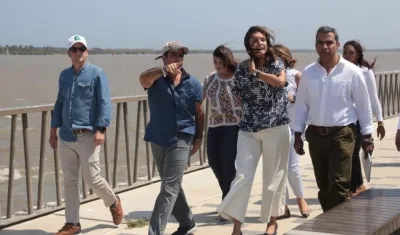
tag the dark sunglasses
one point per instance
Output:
(75, 49)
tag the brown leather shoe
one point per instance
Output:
(117, 212)
(70, 229)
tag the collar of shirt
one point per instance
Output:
(85, 66)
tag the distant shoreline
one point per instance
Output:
(31, 50)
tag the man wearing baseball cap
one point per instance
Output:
(82, 112)
(175, 132)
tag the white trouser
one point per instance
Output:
(294, 176)
(273, 144)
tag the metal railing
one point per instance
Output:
(35, 204)
(122, 177)
(388, 85)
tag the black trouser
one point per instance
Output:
(356, 171)
(221, 151)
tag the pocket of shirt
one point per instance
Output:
(84, 89)
(339, 88)
(187, 94)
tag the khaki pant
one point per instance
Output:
(331, 157)
(82, 154)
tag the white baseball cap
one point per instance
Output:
(75, 39)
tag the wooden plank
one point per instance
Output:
(376, 211)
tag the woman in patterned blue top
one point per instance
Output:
(260, 84)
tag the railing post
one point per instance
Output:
(127, 145)
(149, 176)
(391, 95)
(135, 163)
(84, 190)
(397, 94)
(116, 144)
(42, 159)
(106, 162)
(28, 175)
(10, 193)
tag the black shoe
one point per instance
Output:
(185, 230)
(284, 216)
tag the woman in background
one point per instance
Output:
(223, 123)
(294, 177)
(353, 52)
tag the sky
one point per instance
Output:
(201, 24)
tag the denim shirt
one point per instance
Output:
(172, 109)
(83, 101)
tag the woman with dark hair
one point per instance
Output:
(353, 52)
(263, 130)
(294, 178)
(225, 114)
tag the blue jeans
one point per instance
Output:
(171, 162)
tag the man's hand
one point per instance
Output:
(99, 138)
(173, 68)
(398, 140)
(298, 144)
(196, 145)
(381, 132)
(368, 144)
(53, 140)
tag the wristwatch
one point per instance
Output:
(369, 140)
(256, 73)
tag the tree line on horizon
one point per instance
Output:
(47, 50)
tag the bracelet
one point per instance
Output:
(294, 99)
(369, 140)
(163, 71)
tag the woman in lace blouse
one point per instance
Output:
(225, 114)
(353, 52)
(263, 130)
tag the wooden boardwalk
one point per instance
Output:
(376, 211)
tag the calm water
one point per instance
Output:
(33, 80)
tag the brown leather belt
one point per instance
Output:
(80, 131)
(326, 130)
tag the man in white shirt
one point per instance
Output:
(327, 92)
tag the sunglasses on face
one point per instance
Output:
(75, 49)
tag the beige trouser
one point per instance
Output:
(273, 143)
(85, 154)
